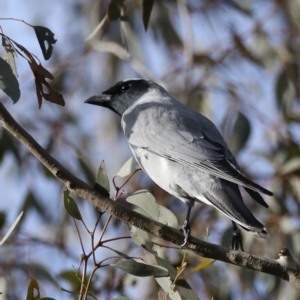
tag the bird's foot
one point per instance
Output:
(186, 230)
(237, 239)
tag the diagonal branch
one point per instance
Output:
(128, 216)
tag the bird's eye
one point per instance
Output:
(126, 87)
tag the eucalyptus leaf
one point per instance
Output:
(147, 9)
(146, 201)
(8, 81)
(102, 178)
(46, 40)
(141, 238)
(130, 166)
(11, 54)
(141, 270)
(186, 290)
(71, 206)
(167, 285)
(11, 228)
(282, 85)
(240, 134)
(86, 168)
(290, 166)
(32, 286)
(114, 9)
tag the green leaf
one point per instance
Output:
(205, 263)
(8, 81)
(46, 39)
(294, 182)
(32, 286)
(102, 178)
(71, 206)
(11, 228)
(141, 270)
(290, 166)
(147, 9)
(147, 202)
(46, 298)
(86, 168)
(73, 279)
(141, 238)
(121, 254)
(114, 9)
(186, 290)
(130, 166)
(11, 54)
(31, 202)
(240, 134)
(8, 143)
(167, 285)
(282, 85)
(242, 6)
(38, 271)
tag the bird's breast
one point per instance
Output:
(159, 169)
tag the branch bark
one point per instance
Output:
(83, 190)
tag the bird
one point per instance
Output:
(183, 152)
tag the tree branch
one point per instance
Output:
(83, 190)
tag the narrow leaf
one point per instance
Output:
(141, 238)
(240, 134)
(8, 81)
(167, 285)
(32, 286)
(114, 9)
(11, 228)
(147, 9)
(203, 265)
(71, 206)
(86, 167)
(102, 178)
(11, 54)
(46, 39)
(290, 166)
(282, 85)
(141, 270)
(160, 213)
(186, 290)
(130, 166)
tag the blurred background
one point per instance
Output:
(237, 62)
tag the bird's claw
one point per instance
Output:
(186, 230)
(237, 239)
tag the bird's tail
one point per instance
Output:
(229, 201)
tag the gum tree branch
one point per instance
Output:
(83, 190)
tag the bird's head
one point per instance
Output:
(122, 95)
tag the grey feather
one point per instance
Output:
(182, 150)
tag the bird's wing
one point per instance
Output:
(180, 134)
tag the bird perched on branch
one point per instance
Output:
(183, 152)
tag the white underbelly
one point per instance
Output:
(157, 168)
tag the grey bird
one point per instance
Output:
(183, 152)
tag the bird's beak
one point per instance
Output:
(101, 100)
